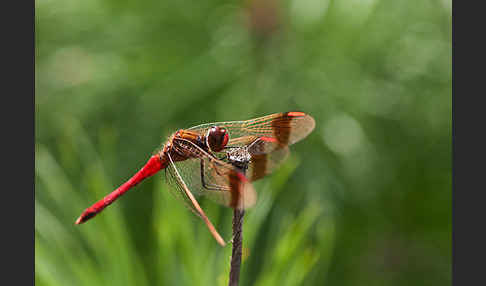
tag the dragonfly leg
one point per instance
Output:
(207, 186)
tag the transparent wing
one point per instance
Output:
(177, 188)
(264, 164)
(209, 176)
(181, 191)
(262, 155)
(283, 128)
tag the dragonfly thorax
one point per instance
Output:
(239, 157)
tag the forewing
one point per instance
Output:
(283, 128)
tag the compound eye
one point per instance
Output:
(217, 138)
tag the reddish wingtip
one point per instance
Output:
(268, 139)
(295, 113)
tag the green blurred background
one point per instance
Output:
(364, 200)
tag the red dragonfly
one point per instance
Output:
(219, 160)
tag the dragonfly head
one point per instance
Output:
(217, 138)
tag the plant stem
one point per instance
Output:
(234, 278)
(237, 245)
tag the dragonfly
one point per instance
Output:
(219, 161)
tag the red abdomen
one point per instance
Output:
(154, 164)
